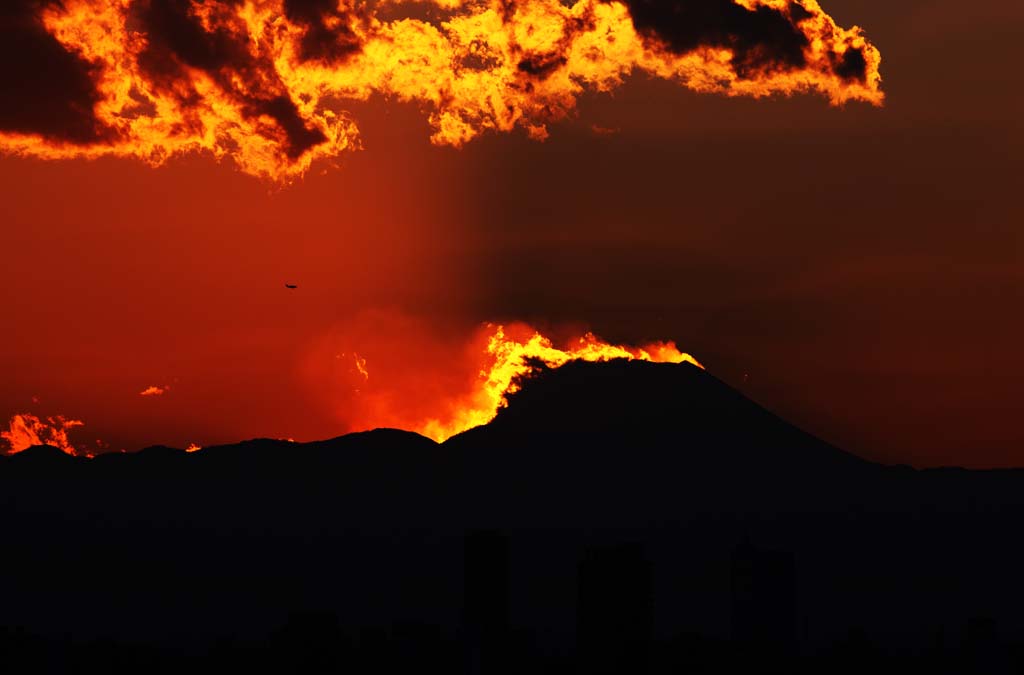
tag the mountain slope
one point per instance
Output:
(167, 545)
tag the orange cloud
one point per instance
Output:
(26, 430)
(266, 82)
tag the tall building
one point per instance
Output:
(311, 642)
(614, 611)
(764, 602)
(486, 602)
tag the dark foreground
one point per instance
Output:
(617, 518)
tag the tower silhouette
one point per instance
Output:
(311, 642)
(764, 603)
(486, 602)
(614, 611)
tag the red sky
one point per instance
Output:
(857, 270)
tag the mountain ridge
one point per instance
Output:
(371, 525)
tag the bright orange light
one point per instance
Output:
(25, 431)
(267, 85)
(503, 357)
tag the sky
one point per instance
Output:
(857, 269)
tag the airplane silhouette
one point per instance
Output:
(292, 286)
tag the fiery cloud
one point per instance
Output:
(265, 82)
(154, 391)
(25, 431)
(440, 391)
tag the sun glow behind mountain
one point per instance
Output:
(495, 364)
(512, 355)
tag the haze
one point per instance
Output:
(856, 270)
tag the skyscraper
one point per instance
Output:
(486, 601)
(764, 602)
(614, 611)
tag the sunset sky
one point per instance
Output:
(858, 269)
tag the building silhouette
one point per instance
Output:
(486, 602)
(310, 642)
(764, 604)
(614, 611)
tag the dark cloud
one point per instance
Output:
(44, 89)
(300, 136)
(203, 54)
(177, 39)
(799, 13)
(329, 35)
(541, 65)
(762, 40)
(852, 65)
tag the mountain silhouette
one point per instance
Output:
(741, 527)
(41, 456)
